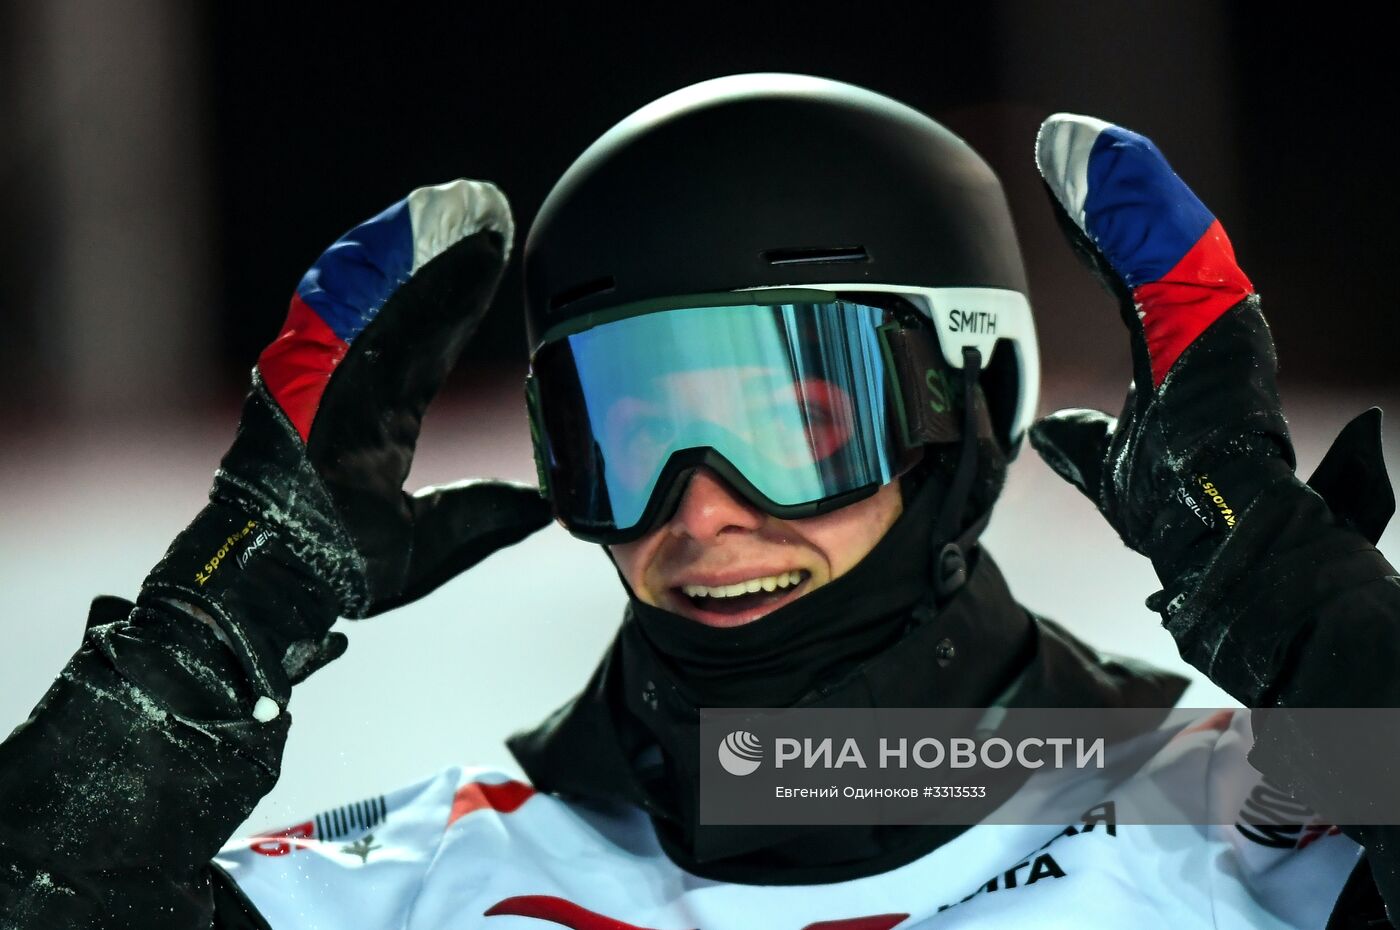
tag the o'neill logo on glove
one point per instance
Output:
(740, 753)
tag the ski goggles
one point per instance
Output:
(800, 400)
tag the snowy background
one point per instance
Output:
(445, 680)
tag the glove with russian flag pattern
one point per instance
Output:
(1202, 432)
(307, 519)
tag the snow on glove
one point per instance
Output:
(307, 518)
(1202, 432)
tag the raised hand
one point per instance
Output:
(307, 517)
(1201, 431)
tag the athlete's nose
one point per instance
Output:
(709, 507)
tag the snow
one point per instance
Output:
(265, 710)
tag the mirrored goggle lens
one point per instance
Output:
(793, 396)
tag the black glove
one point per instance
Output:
(156, 741)
(307, 518)
(1202, 433)
(1272, 588)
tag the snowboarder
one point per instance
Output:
(781, 354)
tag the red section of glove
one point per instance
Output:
(1193, 295)
(297, 364)
(475, 796)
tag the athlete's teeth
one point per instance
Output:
(752, 586)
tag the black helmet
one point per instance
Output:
(760, 181)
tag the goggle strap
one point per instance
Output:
(537, 434)
(950, 514)
(927, 396)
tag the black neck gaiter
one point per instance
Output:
(776, 660)
(875, 637)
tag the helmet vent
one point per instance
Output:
(580, 291)
(823, 255)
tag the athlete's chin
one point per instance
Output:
(733, 611)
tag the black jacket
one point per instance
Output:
(143, 757)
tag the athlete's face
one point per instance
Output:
(717, 545)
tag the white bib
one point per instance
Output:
(471, 848)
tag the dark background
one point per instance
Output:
(156, 224)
